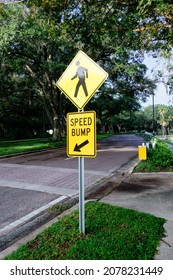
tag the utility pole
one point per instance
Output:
(153, 114)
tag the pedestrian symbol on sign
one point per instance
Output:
(82, 74)
(81, 79)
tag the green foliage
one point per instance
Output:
(158, 159)
(165, 116)
(156, 24)
(161, 115)
(112, 233)
(161, 156)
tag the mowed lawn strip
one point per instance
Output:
(112, 233)
(13, 147)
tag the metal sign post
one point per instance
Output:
(81, 196)
(81, 193)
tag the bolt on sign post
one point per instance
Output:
(79, 82)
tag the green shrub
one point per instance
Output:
(161, 155)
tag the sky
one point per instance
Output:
(160, 97)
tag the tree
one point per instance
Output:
(156, 24)
(42, 37)
(165, 117)
(29, 40)
(21, 111)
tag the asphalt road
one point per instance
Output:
(30, 184)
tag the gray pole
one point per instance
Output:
(153, 114)
(81, 194)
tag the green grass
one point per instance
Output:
(13, 147)
(112, 233)
(103, 136)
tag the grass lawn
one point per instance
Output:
(112, 233)
(148, 166)
(12, 147)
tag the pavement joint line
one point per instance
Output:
(32, 214)
(46, 168)
(38, 187)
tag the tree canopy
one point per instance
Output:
(38, 39)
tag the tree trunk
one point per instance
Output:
(56, 132)
(119, 127)
(103, 128)
(49, 92)
(165, 131)
(110, 128)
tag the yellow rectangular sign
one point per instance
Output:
(142, 152)
(81, 134)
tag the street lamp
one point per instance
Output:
(153, 113)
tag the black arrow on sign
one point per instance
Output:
(78, 147)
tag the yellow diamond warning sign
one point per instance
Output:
(81, 134)
(81, 79)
